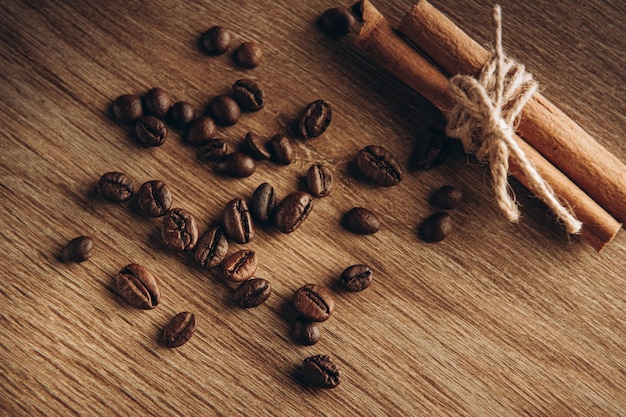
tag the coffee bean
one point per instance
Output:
(306, 332)
(138, 286)
(378, 165)
(361, 221)
(257, 146)
(282, 149)
(314, 302)
(435, 228)
(216, 40)
(237, 221)
(211, 248)
(151, 131)
(356, 277)
(116, 186)
(446, 197)
(236, 165)
(179, 230)
(78, 249)
(321, 371)
(336, 22)
(224, 110)
(154, 198)
(431, 150)
(249, 55)
(181, 114)
(292, 211)
(263, 203)
(214, 149)
(157, 102)
(201, 130)
(240, 266)
(127, 108)
(179, 329)
(315, 119)
(249, 95)
(253, 292)
(319, 179)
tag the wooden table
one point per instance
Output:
(496, 320)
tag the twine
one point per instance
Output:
(485, 112)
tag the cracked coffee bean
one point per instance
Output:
(154, 198)
(321, 371)
(237, 221)
(315, 119)
(116, 186)
(292, 211)
(236, 165)
(151, 131)
(249, 95)
(78, 249)
(214, 149)
(446, 197)
(361, 221)
(263, 203)
(138, 286)
(379, 166)
(306, 332)
(435, 228)
(253, 292)
(314, 302)
(356, 278)
(157, 102)
(179, 330)
(319, 179)
(211, 248)
(240, 266)
(179, 230)
(127, 108)
(216, 40)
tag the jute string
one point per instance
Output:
(484, 115)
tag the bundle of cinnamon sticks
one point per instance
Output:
(585, 176)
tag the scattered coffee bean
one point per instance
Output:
(257, 146)
(138, 286)
(224, 110)
(216, 40)
(237, 221)
(263, 203)
(306, 332)
(116, 186)
(214, 149)
(236, 165)
(314, 302)
(319, 179)
(336, 22)
(282, 149)
(240, 266)
(253, 292)
(315, 119)
(292, 211)
(378, 165)
(157, 102)
(201, 131)
(127, 108)
(181, 114)
(179, 230)
(361, 221)
(249, 55)
(211, 248)
(446, 197)
(249, 95)
(151, 131)
(78, 249)
(436, 227)
(179, 329)
(154, 198)
(356, 277)
(431, 150)
(320, 371)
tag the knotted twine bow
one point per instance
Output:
(483, 117)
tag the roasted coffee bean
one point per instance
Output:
(216, 40)
(378, 165)
(356, 277)
(306, 332)
(224, 110)
(435, 228)
(282, 149)
(314, 302)
(181, 114)
(138, 286)
(78, 249)
(179, 329)
(320, 371)
(361, 221)
(430, 150)
(253, 292)
(446, 197)
(151, 131)
(292, 211)
(319, 179)
(240, 266)
(211, 248)
(237, 221)
(201, 130)
(154, 198)
(263, 203)
(179, 230)
(214, 149)
(116, 186)
(315, 119)
(157, 102)
(249, 95)
(336, 22)
(257, 146)
(236, 165)
(127, 108)
(249, 55)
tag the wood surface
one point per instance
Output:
(496, 320)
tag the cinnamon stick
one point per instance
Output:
(546, 128)
(385, 46)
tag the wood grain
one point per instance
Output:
(497, 319)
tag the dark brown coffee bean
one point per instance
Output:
(435, 228)
(253, 292)
(263, 203)
(179, 329)
(179, 230)
(157, 102)
(116, 186)
(314, 302)
(315, 119)
(201, 130)
(211, 248)
(292, 211)
(249, 95)
(356, 277)
(306, 332)
(138, 286)
(257, 146)
(236, 165)
(336, 22)
(216, 40)
(181, 114)
(319, 179)
(249, 55)
(320, 371)
(378, 165)
(446, 197)
(224, 110)
(282, 149)
(430, 150)
(214, 149)
(78, 249)
(151, 131)
(154, 198)
(127, 108)
(237, 221)
(240, 266)
(361, 221)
